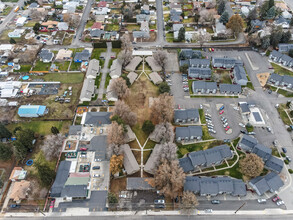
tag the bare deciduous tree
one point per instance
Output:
(251, 166)
(125, 56)
(115, 134)
(124, 112)
(206, 16)
(116, 163)
(71, 19)
(163, 133)
(38, 14)
(160, 57)
(162, 109)
(119, 87)
(126, 42)
(52, 146)
(201, 37)
(169, 178)
(189, 202)
(169, 151)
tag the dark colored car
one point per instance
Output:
(215, 201)
(83, 149)
(14, 206)
(96, 167)
(284, 149)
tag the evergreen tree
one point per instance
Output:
(271, 3)
(221, 6)
(181, 34)
(54, 130)
(12, 41)
(148, 127)
(271, 13)
(164, 87)
(45, 173)
(224, 18)
(286, 36)
(4, 133)
(5, 152)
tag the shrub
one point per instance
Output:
(283, 154)
(290, 171)
(286, 161)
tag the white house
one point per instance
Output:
(16, 33)
(20, 21)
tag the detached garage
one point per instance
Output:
(32, 111)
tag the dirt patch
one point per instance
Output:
(70, 145)
(7, 114)
(81, 110)
(117, 185)
(263, 78)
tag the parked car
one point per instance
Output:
(227, 128)
(225, 125)
(200, 106)
(52, 204)
(243, 131)
(101, 130)
(262, 201)
(221, 112)
(159, 203)
(208, 210)
(275, 198)
(222, 107)
(222, 118)
(269, 129)
(280, 202)
(227, 140)
(83, 149)
(14, 206)
(275, 143)
(215, 201)
(213, 131)
(251, 133)
(96, 167)
(96, 175)
(241, 125)
(288, 158)
(284, 149)
(225, 120)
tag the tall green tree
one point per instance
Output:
(23, 143)
(164, 87)
(271, 13)
(37, 27)
(5, 152)
(45, 173)
(221, 6)
(271, 3)
(54, 130)
(181, 34)
(263, 10)
(224, 18)
(4, 133)
(148, 127)
(12, 41)
(286, 36)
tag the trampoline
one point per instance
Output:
(25, 78)
(29, 162)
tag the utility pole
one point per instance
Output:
(240, 207)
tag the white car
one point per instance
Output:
(280, 202)
(241, 125)
(236, 108)
(225, 125)
(96, 175)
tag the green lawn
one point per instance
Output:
(170, 37)
(4, 35)
(189, 29)
(150, 144)
(202, 116)
(187, 6)
(30, 24)
(184, 149)
(63, 77)
(41, 66)
(97, 53)
(132, 27)
(235, 142)
(89, 24)
(249, 85)
(284, 115)
(275, 152)
(41, 127)
(75, 66)
(62, 66)
(188, 20)
(6, 11)
(141, 136)
(205, 133)
(107, 80)
(280, 70)
(98, 80)
(249, 128)
(285, 93)
(23, 69)
(112, 27)
(166, 17)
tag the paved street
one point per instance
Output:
(289, 3)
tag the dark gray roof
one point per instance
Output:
(99, 145)
(46, 54)
(74, 191)
(276, 77)
(262, 151)
(204, 85)
(175, 18)
(224, 60)
(142, 17)
(74, 129)
(84, 55)
(141, 34)
(239, 73)
(97, 118)
(256, 116)
(244, 108)
(197, 72)
(255, 23)
(214, 186)
(138, 183)
(183, 62)
(186, 164)
(186, 114)
(97, 33)
(189, 131)
(276, 54)
(271, 182)
(230, 88)
(286, 58)
(285, 47)
(288, 79)
(189, 54)
(196, 62)
(248, 141)
(61, 178)
(275, 164)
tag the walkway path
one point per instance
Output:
(105, 70)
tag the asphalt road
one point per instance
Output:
(289, 3)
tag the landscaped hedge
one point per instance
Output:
(116, 44)
(100, 44)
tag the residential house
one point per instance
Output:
(219, 28)
(204, 87)
(199, 63)
(153, 64)
(285, 60)
(96, 119)
(275, 56)
(206, 158)
(199, 73)
(64, 55)
(262, 151)
(97, 34)
(270, 182)
(93, 69)
(99, 145)
(223, 62)
(284, 23)
(32, 111)
(133, 64)
(88, 90)
(46, 56)
(132, 77)
(20, 21)
(286, 15)
(245, 11)
(130, 164)
(140, 183)
(145, 9)
(9, 89)
(33, 5)
(274, 164)
(287, 82)
(233, 89)
(111, 95)
(247, 143)
(129, 135)
(151, 164)
(284, 48)
(97, 25)
(186, 116)
(210, 186)
(102, 4)
(240, 75)
(189, 54)
(75, 130)
(70, 6)
(82, 56)
(112, 35)
(62, 26)
(49, 26)
(175, 6)
(142, 17)
(155, 78)
(140, 35)
(76, 186)
(257, 24)
(190, 133)
(175, 16)
(116, 69)
(20, 190)
(278, 80)
(18, 174)
(176, 28)
(102, 11)
(2, 6)
(16, 33)
(101, 18)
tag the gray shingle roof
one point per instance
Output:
(84, 55)
(204, 85)
(276, 54)
(138, 183)
(97, 118)
(276, 77)
(140, 34)
(223, 61)
(61, 178)
(197, 72)
(46, 54)
(244, 108)
(182, 132)
(191, 114)
(74, 129)
(74, 191)
(284, 48)
(186, 164)
(142, 17)
(215, 186)
(189, 54)
(239, 73)
(247, 142)
(151, 164)
(88, 89)
(130, 164)
(99, 144)
(97, 33)
(199, 62)
(230, 88)
(262, 151)
(93, 68)
(274, 164)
